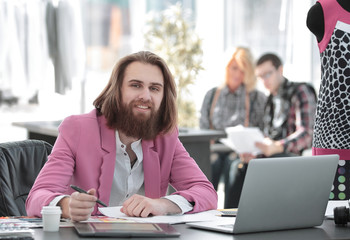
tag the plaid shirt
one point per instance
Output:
(229, 109)
(299, 115)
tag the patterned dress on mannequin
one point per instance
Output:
(332, 124)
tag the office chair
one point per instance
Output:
(20, 163)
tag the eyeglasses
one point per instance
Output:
(266, 75)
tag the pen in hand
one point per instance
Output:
(78, 189)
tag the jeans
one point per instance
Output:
(220, 167)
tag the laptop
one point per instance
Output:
(280, 194)
(125, 229)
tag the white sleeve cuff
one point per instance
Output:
(57, 199)
(180, 201)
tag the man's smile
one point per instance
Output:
(143, 106)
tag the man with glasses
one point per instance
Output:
(289, 112)
(288, 118)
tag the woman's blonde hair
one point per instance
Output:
(245, 61)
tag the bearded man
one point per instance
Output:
(125, 152)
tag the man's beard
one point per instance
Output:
(145, 126)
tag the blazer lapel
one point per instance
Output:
(151, 170)
(108, 144)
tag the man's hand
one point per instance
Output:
(140, 206)
(79, 206)
(270, 147)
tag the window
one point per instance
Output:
(275, 26)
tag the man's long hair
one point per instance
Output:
(109, 101)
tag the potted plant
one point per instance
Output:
(171, 35)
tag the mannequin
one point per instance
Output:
(329, 21)
(315, 18)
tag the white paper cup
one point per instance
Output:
(51, 218)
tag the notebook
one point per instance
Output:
(125, 229)
(280, 194)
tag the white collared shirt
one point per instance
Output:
(128, 181)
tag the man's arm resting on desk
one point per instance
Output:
(141, 206)
(174, 202)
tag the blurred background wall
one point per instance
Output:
(57, 55)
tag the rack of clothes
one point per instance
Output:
(41, 41)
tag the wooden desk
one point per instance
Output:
(196, 141)
(327, 230)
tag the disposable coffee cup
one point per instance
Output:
(51, 218)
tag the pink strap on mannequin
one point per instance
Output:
(332, 12)
(344, 154)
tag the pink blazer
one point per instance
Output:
(85, 153)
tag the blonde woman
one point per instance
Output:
(236, 102)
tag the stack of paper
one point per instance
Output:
(15, 229)
(242, 139)
(171, 219)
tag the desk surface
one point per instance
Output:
(327, 230)
(51, 128)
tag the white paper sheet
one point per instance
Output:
(172, 219)
(196, 217)
(242, 139)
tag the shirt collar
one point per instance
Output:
(135, 146)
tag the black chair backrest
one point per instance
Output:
(20, 163)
